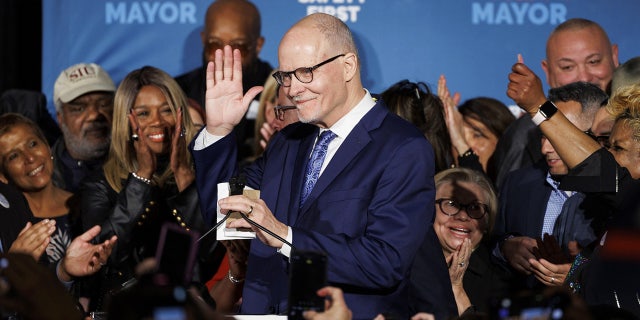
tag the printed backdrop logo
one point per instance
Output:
(518, 13)
(141, 12)
(345, 10)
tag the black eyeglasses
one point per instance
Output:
(475, 210)
(602, 140)
(303, 74)
(279, 111)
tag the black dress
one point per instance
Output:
(14, 214)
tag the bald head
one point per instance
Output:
(580, 50)
(335, 33)
(246, 9)
(236, 23)
(324, 44)
(626, 74)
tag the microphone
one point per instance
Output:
(236, 187)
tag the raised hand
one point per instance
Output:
(144, 156)
(34, 239)
(525, 87)
(453, 118)
(182, 171)
(224, 103)
(444, 95)
(84, 258)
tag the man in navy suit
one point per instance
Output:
(373, 200)
(531, 203)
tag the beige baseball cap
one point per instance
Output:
(80, 79)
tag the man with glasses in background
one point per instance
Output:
(285, 110)
(236, 23)
(350, 179)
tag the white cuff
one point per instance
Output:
(205, 139)
(285, 250)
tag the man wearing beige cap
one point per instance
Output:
(83, 96)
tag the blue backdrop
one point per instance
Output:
(473, 42)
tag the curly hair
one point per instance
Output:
(624, 106)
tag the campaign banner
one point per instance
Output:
(472, 42)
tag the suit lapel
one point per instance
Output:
(299, 167)
(541, 196)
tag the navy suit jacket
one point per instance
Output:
(368, 211)
(523, 201)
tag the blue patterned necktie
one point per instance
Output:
(315, 163)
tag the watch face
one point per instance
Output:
(548, 109)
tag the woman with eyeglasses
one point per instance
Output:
(466, 206)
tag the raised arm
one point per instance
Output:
(525, 88)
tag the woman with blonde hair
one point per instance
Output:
(148, 178)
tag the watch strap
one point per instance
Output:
(538, 118)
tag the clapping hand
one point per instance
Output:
(551, 264)
(519, 251)
(34, 238)
(459, 262)
(84, 258)
(182, 171)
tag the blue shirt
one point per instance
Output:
(554, 205)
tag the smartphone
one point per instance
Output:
(176, 254)
(307, 274)
(169, 313)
